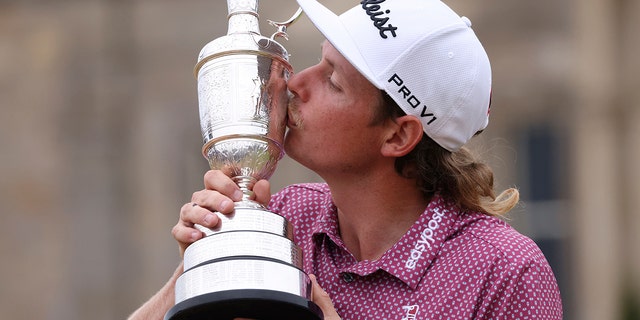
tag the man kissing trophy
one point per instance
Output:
(248, 266)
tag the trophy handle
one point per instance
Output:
(282, 26)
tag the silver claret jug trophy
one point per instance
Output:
(248, 266)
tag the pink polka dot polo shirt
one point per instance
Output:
(449, 265)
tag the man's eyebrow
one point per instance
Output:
(329, 61)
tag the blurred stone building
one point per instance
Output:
(100, 143)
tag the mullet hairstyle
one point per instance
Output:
(457, 176)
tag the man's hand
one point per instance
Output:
(322, 299)
(218, 194)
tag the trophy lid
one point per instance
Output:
(243, 36)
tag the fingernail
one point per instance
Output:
(208, 218)
(195, 235)
(225, 204)
(237, 195)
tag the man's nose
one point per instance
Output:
(297, 84)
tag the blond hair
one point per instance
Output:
(458, 176)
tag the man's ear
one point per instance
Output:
(404, 133)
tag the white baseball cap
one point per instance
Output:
(425, 56)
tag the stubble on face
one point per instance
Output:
(295, 119)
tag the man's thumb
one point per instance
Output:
(322, 299)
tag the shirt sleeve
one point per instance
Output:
(524, 291)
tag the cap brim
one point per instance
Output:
(331, 26)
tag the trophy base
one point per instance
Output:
(245, 303)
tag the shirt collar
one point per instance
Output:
(411, 256)
(327, 222)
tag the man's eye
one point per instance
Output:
(332, 84)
